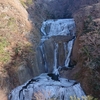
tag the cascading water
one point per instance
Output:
(53, 54)
(56, 43)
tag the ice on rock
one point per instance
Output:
(44, 88)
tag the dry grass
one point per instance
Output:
(83, 98)
(26, 3)
(14, 46)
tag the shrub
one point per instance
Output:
(26, 3)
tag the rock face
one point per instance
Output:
(49, 47)
(56, 44)
(64, 9)
(88, 25)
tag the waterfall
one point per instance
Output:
(53, 53)
(69, 47)
(61, 35)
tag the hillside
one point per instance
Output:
(88, 27)
(15, 48)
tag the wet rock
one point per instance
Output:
(24, 73)
(54, 77)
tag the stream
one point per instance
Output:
(53, 54)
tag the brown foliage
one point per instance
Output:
(90, 44)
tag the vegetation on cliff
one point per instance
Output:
(15, 47)
(26, 3)
(90, 51)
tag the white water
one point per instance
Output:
(58, 27)
(45, 64)
(69, 47)
(55, 71)
(44, 87)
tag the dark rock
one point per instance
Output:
(54, 77)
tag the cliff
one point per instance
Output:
(86, 49)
